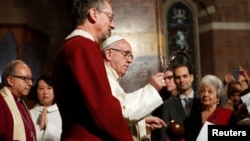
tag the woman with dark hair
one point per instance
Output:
(45, 113)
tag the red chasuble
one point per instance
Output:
(88, 109)
(7, 121)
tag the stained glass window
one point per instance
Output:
(180, 32)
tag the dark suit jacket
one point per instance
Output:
(172, 109)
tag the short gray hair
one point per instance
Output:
(212, 80)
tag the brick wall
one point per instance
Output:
(226, 44)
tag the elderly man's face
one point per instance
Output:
(21, 81)
(121, 57)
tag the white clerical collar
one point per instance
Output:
(111, 71)
(79, 32)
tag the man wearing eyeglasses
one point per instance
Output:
(89, 111)
(138, 105)
(15, 120)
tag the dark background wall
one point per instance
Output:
(50, 17)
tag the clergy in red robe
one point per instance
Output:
(82, 92)
(15, 120)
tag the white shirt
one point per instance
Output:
(54, 127)
(135, 105)
(183, 97)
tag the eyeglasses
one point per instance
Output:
(24, 78)
(109, 15)
(126, 54)
(169, 77)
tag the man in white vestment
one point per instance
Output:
(137, 105)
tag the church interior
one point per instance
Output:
(213, 33)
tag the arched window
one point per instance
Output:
(181, 32)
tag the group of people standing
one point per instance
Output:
(18, 122)
(81, 84)
(215, 101)
(92, 106)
